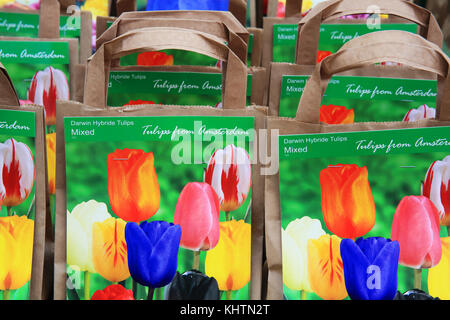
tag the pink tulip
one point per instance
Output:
(197, 212)
(46, 87)
(416, 228)
(16, 174)
(436, 187)
(229, 173)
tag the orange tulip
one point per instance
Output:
(133, 186)
(109, 249)
(326, 272)
(51, 161)
(347, 202)
(154, 58)
(322, 55)
(16, 250)
(332, 114)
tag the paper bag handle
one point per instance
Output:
(218, 29)
(8, 95)
(396, 46)
(156, 39)
(293, 8)
(49, 15)
(309, 26)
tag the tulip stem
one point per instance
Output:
(418, 279)
(229, 295)
(6, 294)
(448, 231)
(87, 282)
(9, 211)
(196, 261)
(302, 295)
(227, 216)
(150, 293)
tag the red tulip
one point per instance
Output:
(416, 228)
(46, 87)
(436, 187)
(17, 172)
(154, 58)
(229, 173)
(322, 55)
(137, 102)
(113, 292)
(197, 212)
(332, 114)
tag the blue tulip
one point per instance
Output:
(216, 5)
(152, 252)
(370, 268)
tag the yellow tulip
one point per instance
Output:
(439, 276)
(326, 272)
(294, 244)
(109, 249)
(51, 161)
(16, 250)
(229, 261)
(79, 233)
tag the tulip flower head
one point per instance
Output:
(192, 285)
(416, 227)
(154, 58)
(326, 271)
(113, 292)
(439, 275)
(133, 186)
(294, 244)
(197, 212)
(332, 114)
(109, 249)
(17, 172)
(153, 252)
(436, 187)
(46, 87)
(229, 261)
(229, 173)
(51, 161)
(16, 239)
(347, 202)
(322, 55)
(422, 112)
(79, 233)
(370, 268)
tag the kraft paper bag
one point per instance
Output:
(302, 144)
(159, 123)
(23, 202)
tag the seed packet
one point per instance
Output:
(23, 200)
(391, 169)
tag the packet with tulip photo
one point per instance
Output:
(23, 197)
(172, 196)
(360, 210)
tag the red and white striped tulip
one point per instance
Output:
(436, 187)
(421, 113)
(17, 173)
(229, 173)
(46, 87)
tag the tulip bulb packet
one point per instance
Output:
(160, 196)
(22, 203)
(39, 71)
(350, 99)
(167, 88)
(331, 38)
(352, 208)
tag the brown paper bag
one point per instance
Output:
(397, 46)
(255, 56)
(39, 232)
(293, 8)
(150, 39)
